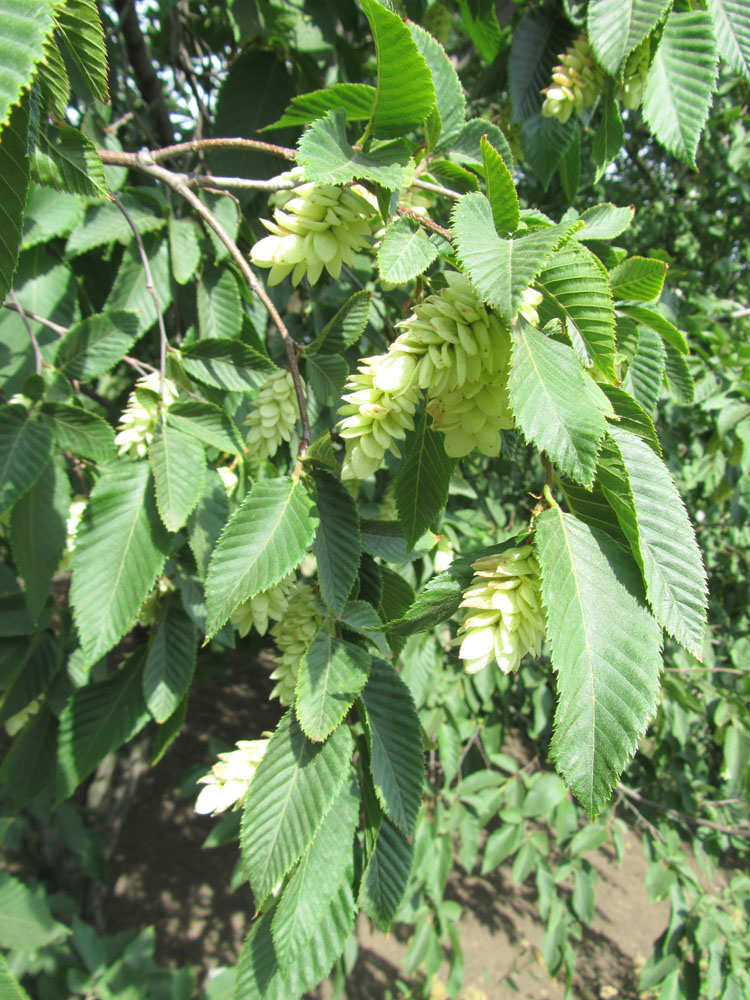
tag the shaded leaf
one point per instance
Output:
(208, 423)
(219, 304)
(387, 875)
(264, 540)
(96, 344)
(422, 482)
(346, 327)
(331, 675)
(179, 467)
(645, 373)
(120, 549)
(337, 541)
(404, 253)
(26, 920)
(295, 785)
(170, 662)
(449, 96)
(80, 432)
(617, 27)
(14, 182)
(81, 28)
(69, 163)
(105, 223)
(545, 141)
(25, 444)
(226, 364)
(25, 30)
(207, 520)
(184, 248)
(605, 652)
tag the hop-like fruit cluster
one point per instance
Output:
(258, 611)
(273, 416)
(634, 78)
(294, 634)
(139, 418)
(315, 226)
(506, 619)
(229, 779)
(576, 82)
(374, 419)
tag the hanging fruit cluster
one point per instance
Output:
(576, 82)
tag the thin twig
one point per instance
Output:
(35, 346)
(180, 148)
(151, 289)
(740, 314)
(241, 183)
(59, 330)
(436, 188)
(425, 221)
(178, 183)
(706, 670)
(731, 831)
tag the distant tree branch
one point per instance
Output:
(731, 831)
(139, 58)
(34, 345)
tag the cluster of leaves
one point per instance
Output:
(333, 821)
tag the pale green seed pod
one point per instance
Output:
(314, 227)
(274, 415)
(506, 620)
(294, 635)
(576, 83)
(140, 416)
(257, 612)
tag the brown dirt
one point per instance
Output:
(161, 875)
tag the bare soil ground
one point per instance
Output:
(161, 875)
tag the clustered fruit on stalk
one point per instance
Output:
(576, 82)
(506, 620)
(273, 416)
(258, 611)
(294, 634)
(227, 782)
(314, 226)
(454, 350)
(140, 416)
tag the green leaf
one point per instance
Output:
(93, 346)
(30, 766)
(576, 290)
(106, 224)
(346, 327)
(331, 675)
(649, 317)
(679, 378)
(120, 550)
(25, 30)
(295, 785)
(610, 134)
(38, 527)
(731, 21)
(10, 989)
(265, 539)
(397, 595)
(422, 482)
(501, 191)
(80, 432)
(15, 619)
(25, 444)
(170, 662)
(394, 737)
(97, 720)
(207, 520)
(81, 28)
(49, 214)
(501, 270)
(219, 304)
(545, 141)
(328, 158)
(404, 253)
(680, 83)
(629, 414)
(639, 279)
(436, 603)
(591, 506)
(356, 100)
(449, 96)
(259, 975)
(178, 463)
(69, 163)
(184, 248)
(327, 374)
(226, 364)
(337, 541)
(605, 221)
(130, 292)
(168, 732)
(645, 373)
(26, 921)
(361, 618)
(53, 82)
(386, 876)
(467, 147)
(208, 423)
(556, 404)
(14, 182)
(538, 40)
(405, 93)
(35, 676)
(569, 167)
(318, 879)
(453, 176)
(664, 544)
(605, 652)
(616, 27)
